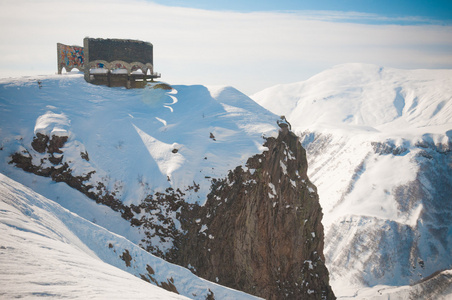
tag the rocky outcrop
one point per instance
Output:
(260, 230)
(48, 161)
(157, 213)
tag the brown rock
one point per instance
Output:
(260, 230)
(39, 142)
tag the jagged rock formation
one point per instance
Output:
(260, 230)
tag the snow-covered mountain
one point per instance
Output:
(121, 145)
(189, 133)
(117, 147)
(379, 144)
(200, 176)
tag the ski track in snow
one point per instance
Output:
(169, 105)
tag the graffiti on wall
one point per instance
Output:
(109, 61)
(70, 57)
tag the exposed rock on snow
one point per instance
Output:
(47, 251)
(268, 227)
(48, 160)
(270, 235)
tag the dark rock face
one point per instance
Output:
(260, 230)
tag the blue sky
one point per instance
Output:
(250, 45)
(435, 10)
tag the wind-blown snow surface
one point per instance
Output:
(379, 146)
(47, 251)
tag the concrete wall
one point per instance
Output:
(111, 54)
(70, 57)
(110, 50)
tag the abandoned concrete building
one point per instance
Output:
(111, 62)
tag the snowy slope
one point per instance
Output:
(47, 251)
(379, 146)
(134, 143)
(138, 141)
(129, 135)
(41, 257)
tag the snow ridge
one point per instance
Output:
(365, 97)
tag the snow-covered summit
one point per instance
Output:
(137, 140)
(366, 97)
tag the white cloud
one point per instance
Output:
(250, 51)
